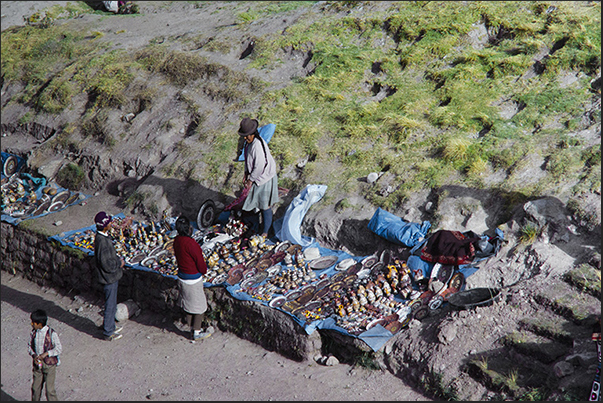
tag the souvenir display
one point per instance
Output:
(283, 246)
(75, 196)
(323, 262)
(277, 301)
(25, 196)
(369, 261)
(358, 294)
(345, 264)
(311, 253)
(56, 206)
(10, 166)
(61, 196)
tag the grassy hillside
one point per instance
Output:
(431, 93)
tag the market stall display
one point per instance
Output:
(318, 287)
(25, 196)
(369, 297)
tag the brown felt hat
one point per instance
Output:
(248, 126)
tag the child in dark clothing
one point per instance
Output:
(44, 348)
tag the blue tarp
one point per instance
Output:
(289, 230)
(374, 337)
(31, 184)
(395, 229)
(63, 239)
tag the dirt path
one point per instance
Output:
(154, 361)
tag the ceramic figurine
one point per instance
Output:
(378, 291)
(387, 290)
(370, 296)
(355, 303)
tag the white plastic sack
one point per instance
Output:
(112, 6)
(291, 223)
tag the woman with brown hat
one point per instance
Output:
(260, 173)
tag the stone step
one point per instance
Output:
(532, 345)
(553, 326)
(585, 278)
(582, 308)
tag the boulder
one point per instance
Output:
(126, 309)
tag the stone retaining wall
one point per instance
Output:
(50, 264)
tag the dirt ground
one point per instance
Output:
(154, 360)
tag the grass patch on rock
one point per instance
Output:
(586, 278)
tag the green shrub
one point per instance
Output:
(106, 77)
(71, 176)
(529, 232)
(56, 96)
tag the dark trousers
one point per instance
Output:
(194, 320)
(253, 220)
(110, 308)
(267, 219)
(41, 377)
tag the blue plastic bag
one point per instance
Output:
(396, 230)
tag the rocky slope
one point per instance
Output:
(542, 322)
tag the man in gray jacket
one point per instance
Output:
(110, 270)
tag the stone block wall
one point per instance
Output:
(48, 263)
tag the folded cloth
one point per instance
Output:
(449, 247)
(237, 203)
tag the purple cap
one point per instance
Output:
(102, 219)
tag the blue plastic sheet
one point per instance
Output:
(289, 228)
(375, 337)
(395, 229)
(63, 237)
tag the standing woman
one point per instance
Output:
(260, 174)
(191, 268)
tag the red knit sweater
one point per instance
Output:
(191, 264)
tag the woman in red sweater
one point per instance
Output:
(191, 268)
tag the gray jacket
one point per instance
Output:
(260, 166)
(107, 261)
